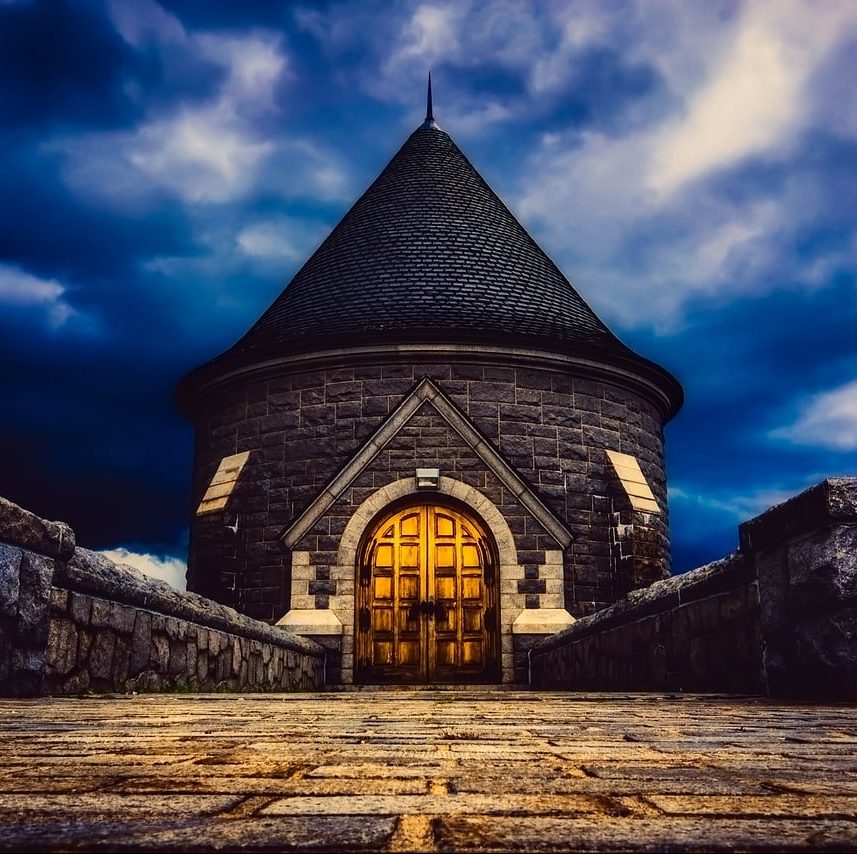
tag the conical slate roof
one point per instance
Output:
(429, 254)
(429, 248)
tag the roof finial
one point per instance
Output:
(429, 113)
(429, 122)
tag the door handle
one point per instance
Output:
(427, 607)
(441, 612)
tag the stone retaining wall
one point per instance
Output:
(73, 621)
(778, 616)
(694, 632)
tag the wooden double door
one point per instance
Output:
(427, 599)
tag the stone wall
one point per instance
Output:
(302, 428)
(779, 616)
(693, 632)
(72, 621)
(804, 552)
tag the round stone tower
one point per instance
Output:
(429, 451)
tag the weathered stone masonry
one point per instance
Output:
(72, 621)
(779, 616)
(302, 428)
(429, 279)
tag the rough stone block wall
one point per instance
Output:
(779, 616)
(695, 632)
(72, 621)
(302, 428)
(637, 542)
(805, 555)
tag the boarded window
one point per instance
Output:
(222, 483)
(633, 482)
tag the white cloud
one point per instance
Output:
(21, 289)
(631, 211)
(208, 152)
(754, 96)
(169, 569)
(266, 240)
(255, 63)
(281, 239)
(827, 420)
(432, 32)
(211, 153)
(736, 505)
(140, 21)
(200, 154)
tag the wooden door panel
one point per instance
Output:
(470, 558)
(472, 619)
(444, 525)
(422, 599)
(384, 555)
(444, 556)
(410, 523)
(383, 587)
(471, 653)
(409, 587)
(471, 588)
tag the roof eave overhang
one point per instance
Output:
(235, 369)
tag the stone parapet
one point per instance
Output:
(804, 552)
(692, 632)
(779, 616)
(88, 624)
(22, 528)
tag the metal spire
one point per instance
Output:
(429, 114)
(429, 122)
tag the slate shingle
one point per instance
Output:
(429, 248)
(428, 254)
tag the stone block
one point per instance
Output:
(532, 585)
(20, 527)
(59, 600)
(34, 596)
(322, 586)
(29, 662)
(827, 503)
(121, 618)
(101, 655)
(176, 629)
(61, 651)
(121, 660)
(85, 639)
(100, 613)
(10, 579)
(141, 643)
(822, 568)
(177, 665)
(160, 652)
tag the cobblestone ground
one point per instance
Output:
(433, 770)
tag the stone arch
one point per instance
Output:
(469, 495)
(481, 506)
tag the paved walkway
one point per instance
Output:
(434, 770)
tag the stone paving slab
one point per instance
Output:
(435, 770)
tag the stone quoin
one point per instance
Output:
(429, 452)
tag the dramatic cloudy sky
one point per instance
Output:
(165, 169)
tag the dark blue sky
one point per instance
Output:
(166, 168)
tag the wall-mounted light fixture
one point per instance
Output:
(428, 478)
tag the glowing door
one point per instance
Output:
(426, 599)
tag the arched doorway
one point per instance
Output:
(427, 597)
